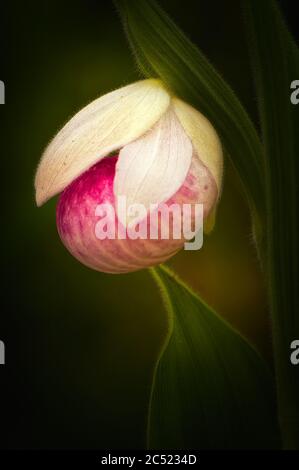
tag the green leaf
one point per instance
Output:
(275, 58)
(211, 389)
(161, 49)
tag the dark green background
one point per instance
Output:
(81, 345)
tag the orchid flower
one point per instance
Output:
(139, 143)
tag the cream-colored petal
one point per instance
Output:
(105, 125)
(152, 168)
(203, 136)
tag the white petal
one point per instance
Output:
(151, 169)
(203, 136)
(105, 125)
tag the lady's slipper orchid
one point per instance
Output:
(137, 143)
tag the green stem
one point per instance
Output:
(268, 174)
(276, 64)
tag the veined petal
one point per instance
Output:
(152, 168)
(105, 125)
(203, 136)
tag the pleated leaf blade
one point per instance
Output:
(275, 60)
(211, 389)
(163, 50)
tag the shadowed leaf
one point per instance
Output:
(211, 389)
(161, 49)
(275, 58)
